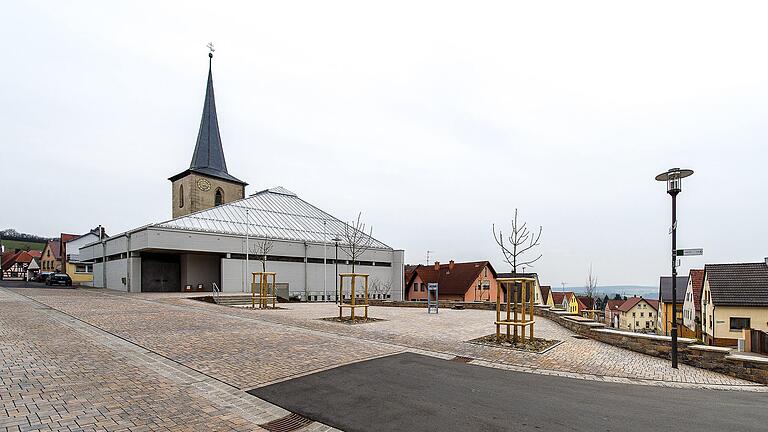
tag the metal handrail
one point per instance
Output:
(216, 293)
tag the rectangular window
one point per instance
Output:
(642, 314)
(739, 323)
(647, 324)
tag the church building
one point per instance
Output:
(217, 235)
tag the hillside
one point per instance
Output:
(13, 239)
(23, 245)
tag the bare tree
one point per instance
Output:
(590, 289)
(261, 249)
(356, 241)
(519, 242)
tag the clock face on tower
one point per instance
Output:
(203, 184)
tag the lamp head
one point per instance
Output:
(674, 177)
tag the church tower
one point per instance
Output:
(206, 183)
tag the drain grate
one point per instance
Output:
(289, 423)
(462, 359)
(580, 337)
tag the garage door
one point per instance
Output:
(160, 273)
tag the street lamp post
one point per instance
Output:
(325, 265)
(336, 241)
(247, 245)
(674, 178)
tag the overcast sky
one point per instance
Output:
(435, 120)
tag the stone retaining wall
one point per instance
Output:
(723, 360)
(718, 359)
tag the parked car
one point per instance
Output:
(43, 276)
(59, 279)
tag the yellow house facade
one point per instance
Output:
(50, 260)
(80, 273)
(573, 303)
(664, 321)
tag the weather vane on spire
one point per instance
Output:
(211, 48)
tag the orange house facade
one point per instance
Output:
(467, 282)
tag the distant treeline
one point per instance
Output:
(12, 234)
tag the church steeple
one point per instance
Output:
(208, 157)
(207, 173)
(209, 154)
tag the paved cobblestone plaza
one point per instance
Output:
(90, 359)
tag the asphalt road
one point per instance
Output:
(410, 392)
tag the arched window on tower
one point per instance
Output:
(181, 195)
(219, 197)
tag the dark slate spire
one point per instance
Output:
(208, 151)
(208, 158)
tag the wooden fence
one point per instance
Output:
(759, 341)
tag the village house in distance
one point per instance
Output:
(465, 282)
(216, 228)
(664, 321)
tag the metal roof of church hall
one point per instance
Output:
(275, 213)
(208, 158)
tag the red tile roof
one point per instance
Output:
(545, 289)
(68, 237)
(558, 297)
(8, 257)
(35, 253)
(631, 302)
(585, 303)
(456, 281)
(16, 257)
(613, 305)
(697, 282)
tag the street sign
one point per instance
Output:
(432, 303)
(689, 252)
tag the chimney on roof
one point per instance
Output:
(766, 260)
(437, 265)
(451, 265)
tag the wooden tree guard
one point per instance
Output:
(353, 304)
(265, 294)
(527, 286)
